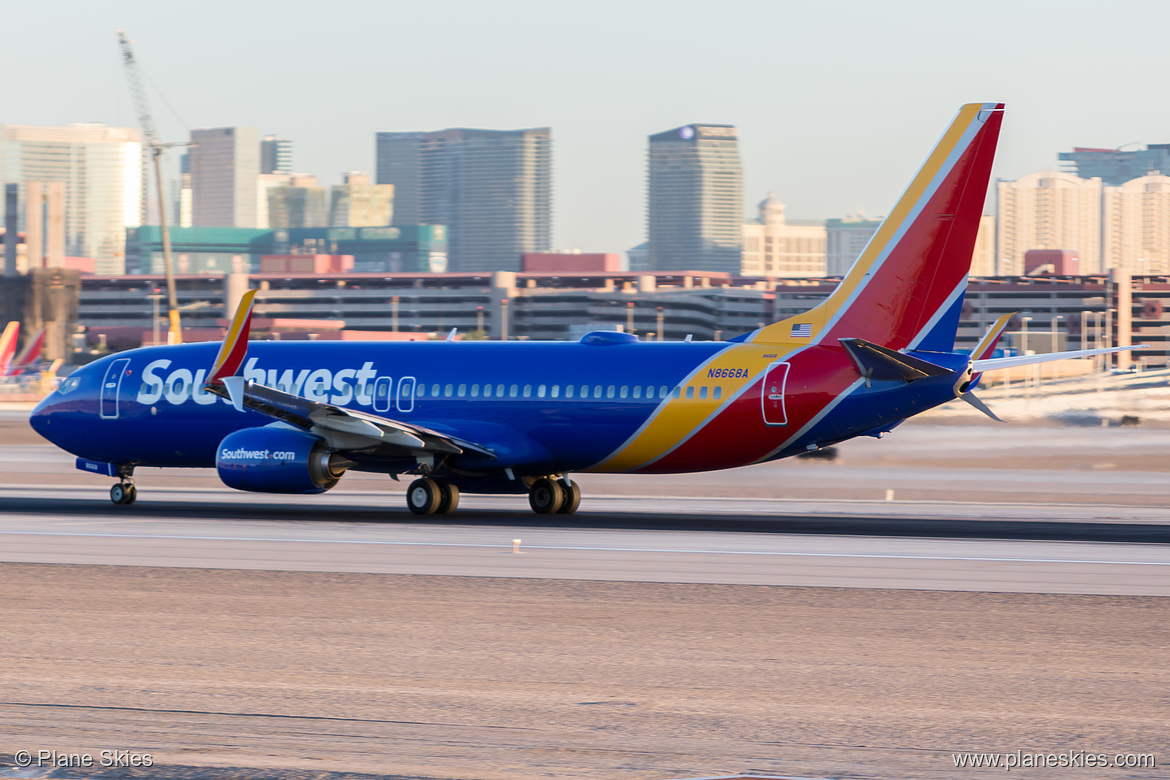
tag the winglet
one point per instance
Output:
(986, 346)
(235, 343)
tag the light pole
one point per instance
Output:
(629, 316)
(1024, 340)
(394, 314)
(479, 321)
(1056, 318)
(660, 323)
(503, 319)
(154, 299)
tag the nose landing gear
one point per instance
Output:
(124, 493)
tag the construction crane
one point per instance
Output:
(156, 147)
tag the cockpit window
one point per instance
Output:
(68, 384)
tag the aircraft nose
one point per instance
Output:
(39, 419)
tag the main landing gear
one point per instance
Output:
(429, 496)
(546, 496)
(124, 493)
(549, 496)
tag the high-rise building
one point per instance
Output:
(774, 246)
(1115, 167)
(695, 199)
(1136, 229)
(845, 239)
(275, 155)
(224, 166)
(358, 203)
(1049, 211)
(983, 258)
(491, 188)
(103, 175)
(301, 203)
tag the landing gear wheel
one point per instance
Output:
(572, 498)
(123, 494)
(423, 496)
(546, 496)
(450, 500)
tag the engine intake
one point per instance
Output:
(278, 460)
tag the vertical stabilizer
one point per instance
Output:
(8, 346)
(906, 289)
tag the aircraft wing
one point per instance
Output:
(343, 429)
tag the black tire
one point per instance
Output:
(572, 499)
(450, 500)
(118, 494)
(423, 496)
(131, 495)
(546, 496)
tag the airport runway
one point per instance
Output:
(926, 546)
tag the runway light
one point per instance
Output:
(515, 545)
(889, 495)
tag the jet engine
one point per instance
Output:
(278, 460)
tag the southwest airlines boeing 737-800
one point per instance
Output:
(520, 417)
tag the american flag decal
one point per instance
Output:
(801, 330)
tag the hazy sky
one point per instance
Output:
(837, 103)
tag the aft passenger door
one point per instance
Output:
(111, 383)
(773, 394)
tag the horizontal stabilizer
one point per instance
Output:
(1027, 360)
(978, 404)
(873, 361)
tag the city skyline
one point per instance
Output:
(830, 115)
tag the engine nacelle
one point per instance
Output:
(277, 460)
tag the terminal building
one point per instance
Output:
(1054, 312)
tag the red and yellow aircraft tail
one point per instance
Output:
(29, 355)
(8, 346)
(906, 289)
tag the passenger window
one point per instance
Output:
(556, 391)
(527, 391)
(610, 391)
(434, 391)
(420, 391)
(662, 393)
(703, 391)
(624, 392)
(677, 392)
(569, 391)
(487, 391)
(690, 392)
(718, 392)
(475, 391)
(462, 391)
(499, 391)
(540, 391)
(584, 391)
(449, 390)
(597, 391)
(637, 391)
(514, 391)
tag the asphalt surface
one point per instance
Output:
(1009, 597)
